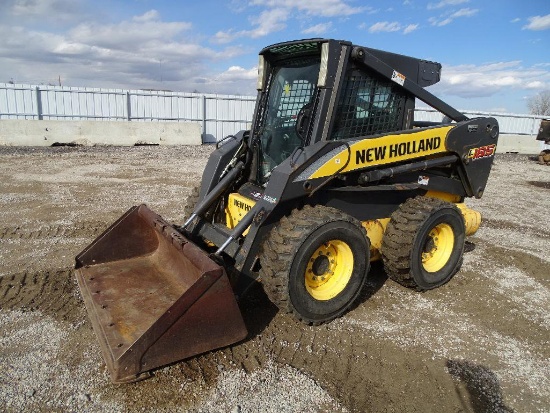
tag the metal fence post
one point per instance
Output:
(128, 107)
(38, 103)
(203, 118)
(535, 129)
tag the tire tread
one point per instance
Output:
(400, 234)
(279, 248)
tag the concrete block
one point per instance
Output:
(47, 132)
(524, 144)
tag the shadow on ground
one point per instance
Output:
(478, 386)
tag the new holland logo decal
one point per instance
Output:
(380, 151)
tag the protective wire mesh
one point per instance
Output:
(367, 106)
(295, 96)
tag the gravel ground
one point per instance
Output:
(478, 344)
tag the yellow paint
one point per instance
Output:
(329, 270)
(239, 205)
(236, 209)
(287, 89)
(386, 150)
(375, 231)
(444, 196)
(439, 247)
(472, 218)
(377, 227)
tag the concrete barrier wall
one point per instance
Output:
(525, 144)
(48, 132)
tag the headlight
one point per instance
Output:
(261, 73)
(324, 66)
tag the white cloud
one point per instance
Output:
(151, 15)
(274, 18)
(225, 37)
(538, 23)
(42, 7)
(318, 29)
(410, 28)
(445, 3)
(464, 13)
(389, 27)
(269, 21)
(444, 20)
(236, 73)
(235, 80)
(517, 19)
(56, 13)
(469, 81)
(128, 35)
(324, 8)
(536, 84)
(385, 27)
(141, 52)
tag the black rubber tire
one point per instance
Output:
(286, 254)
(407, 235)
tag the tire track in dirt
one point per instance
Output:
(331, 358)
(537, 230)
(345, 363)
(337, 360)
(351, 367)
(52, 292)
(87, 228)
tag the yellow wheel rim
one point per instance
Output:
(329, 270)
(438, 247)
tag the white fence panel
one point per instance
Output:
(218, 115)
(18, 102)
(226, 115)
(508, 122)
(67, 103)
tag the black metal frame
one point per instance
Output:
(370, 58)
(286, 189)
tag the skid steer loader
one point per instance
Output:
(334, 173)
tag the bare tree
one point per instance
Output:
(540, 103)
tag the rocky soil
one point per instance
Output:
(478, 344)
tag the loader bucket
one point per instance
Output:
(153, 296)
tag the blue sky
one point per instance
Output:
(495, 54)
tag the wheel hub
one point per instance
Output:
(438, 247)
(329, 270)
(320, 265)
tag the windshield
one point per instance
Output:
(292, 86)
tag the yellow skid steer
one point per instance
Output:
(334, 173)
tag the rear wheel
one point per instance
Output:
(314, 263)
(423, 245)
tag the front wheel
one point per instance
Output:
(423, 245)
(314, 263)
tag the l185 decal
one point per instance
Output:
(482, 152)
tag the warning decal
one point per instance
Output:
(398, 78)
